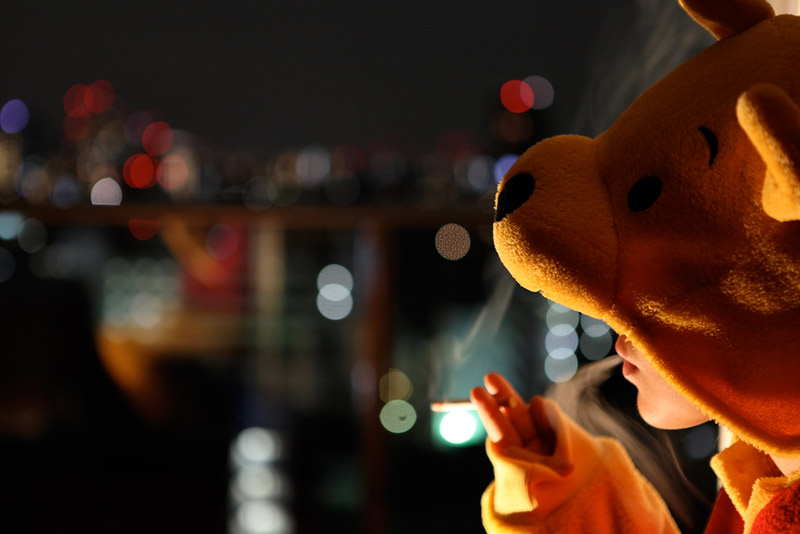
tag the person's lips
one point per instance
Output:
(628, 368)
(627, 352)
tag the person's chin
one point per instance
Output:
(663, 417)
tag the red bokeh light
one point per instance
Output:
(140, 171)
(516, 96)
(157, 138)
(75, 101)
(172, 172)
(99, 96)
(143, 229)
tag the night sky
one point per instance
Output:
(276, 74)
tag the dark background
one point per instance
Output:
(283, 73)
(264, 76)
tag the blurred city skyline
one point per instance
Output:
(276, 74)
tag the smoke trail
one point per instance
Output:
(636, 47)
(487, 324)
(471, 347)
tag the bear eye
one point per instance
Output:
(644, 193)
(713, 144)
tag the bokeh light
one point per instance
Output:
(32, 236)
(263, 517)
(29, 181)
(10, 161)
(452, 241)
(172, 172)
(543, 91)
(8, 265)
(561, 342)
(66, 191)
(480, 173)
(144, 229)
(394, 385)
(398, 416)
(99, 96)
(256, 445)
(560, 369)
(335, 310)
(10, 224)
(157, 138)
(313, 166)
(139, 171)
(516, 96)
(334, 292)
(458, 426)
(14, 116)
(259, 482)
(503, 164)
(146, 310)
(557, 341)
(75, 101)
(558, 315)
(335, 274)
(106, 192)
(596, 347)
(700, 442)
(594, 327)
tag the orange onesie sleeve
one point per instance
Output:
(588, 484)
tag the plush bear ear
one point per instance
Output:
(772, 122)
(727, 17)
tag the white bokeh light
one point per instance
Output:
(554, 341)
(106, 192)
(458, 426)
(398, 416)
(594, 327)
(560, 370)
(335, 310)
(560, 315)
(257, 445)
(263, 517)
(334, 300)
(335, 274)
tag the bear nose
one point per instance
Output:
(516, 191)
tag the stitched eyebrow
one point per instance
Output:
(713, 144)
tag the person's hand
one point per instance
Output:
(515, 424)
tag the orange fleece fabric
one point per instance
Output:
(589, 484)
(680, 225)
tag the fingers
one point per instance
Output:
(498, 425)
(516, 410)
(497, 385)
(545, 441)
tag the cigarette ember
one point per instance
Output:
(449, 405)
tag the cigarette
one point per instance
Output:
(449, 405)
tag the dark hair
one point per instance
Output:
(603, 411)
